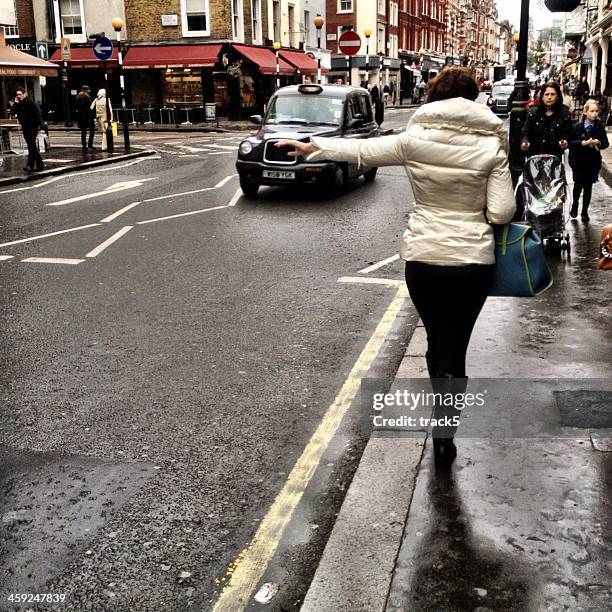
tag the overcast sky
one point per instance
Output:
(511, 10)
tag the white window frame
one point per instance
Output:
(188, 33)
(382, 7)
(256, 25)
(342, 11)
(14, 29)
(79, 38)
(237, 20)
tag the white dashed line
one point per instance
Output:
(107, 243)
(235, 197)
(378, 265)
(6, 257)
(195, 212)
(119, 212)
(72, 229)
(53, 260)
(373, 281)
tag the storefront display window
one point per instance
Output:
(247, 92)
(182, 87)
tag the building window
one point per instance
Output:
(307, 28)
(345, 6)
(194, 17)
(71, 16)
(291, 17)
(380, 39)
(11, 31)
(382, 7)
(237, 22)
(256, 21)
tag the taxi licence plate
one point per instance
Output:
(279, 174)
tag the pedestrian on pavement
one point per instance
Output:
(548, 126)
(28, 115)
(386, 94)
(416, 93)
(587, 140)
(375, 94)
(455, 152)
(421, 91)
(85, 117)
(582, 91)
(102, 109)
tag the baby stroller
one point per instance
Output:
(542, 194)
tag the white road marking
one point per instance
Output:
(221, 153)
(235, 197)
(195, 212)
(80, 173)
(378, 265)
(101, 247)
(121, 186)
(57, 161)
(72, 229)
(184, 193)
(53, 260)
(389, 282)
(119, 212)
(216, 146)
(192, 149)
(6, 257)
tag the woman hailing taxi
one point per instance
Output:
(455, 154)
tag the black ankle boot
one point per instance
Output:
(574, 210)
(445, 452)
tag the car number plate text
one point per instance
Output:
(279, 174)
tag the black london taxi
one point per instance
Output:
(298, 112)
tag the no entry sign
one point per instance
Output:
(349, 43)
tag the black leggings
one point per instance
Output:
(448, 300)
(586, 198)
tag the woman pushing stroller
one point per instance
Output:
(588, 138)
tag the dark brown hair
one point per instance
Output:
(558, 105)
(452, 82)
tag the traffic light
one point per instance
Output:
(561, 6)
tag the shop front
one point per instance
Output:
(18, 69)
(83, 68)
(171, 83)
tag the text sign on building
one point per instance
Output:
(102, 48)
(349, 43)
(169, 20)
(26, 45)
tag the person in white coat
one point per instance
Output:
(455, 153)
(100, 111)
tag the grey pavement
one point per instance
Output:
(521, 522)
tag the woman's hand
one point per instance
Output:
(525, 146)
(563, 144)
(299, 148)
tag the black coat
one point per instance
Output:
(586, 161)
(544, 133)
(85, 116)
(28, 114)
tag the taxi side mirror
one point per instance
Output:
(256, 119)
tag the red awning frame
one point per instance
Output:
(162, 57)
(265, 59)
(302, 61)
(83, 57)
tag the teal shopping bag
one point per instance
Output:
(520, 265)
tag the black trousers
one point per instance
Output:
(91, 128)
(448, 300)
(34, 158)
(586, 198)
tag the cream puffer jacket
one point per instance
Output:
(455, 154)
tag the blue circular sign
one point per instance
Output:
(102, 48)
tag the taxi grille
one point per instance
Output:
(276, 155)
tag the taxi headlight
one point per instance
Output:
(245, 147)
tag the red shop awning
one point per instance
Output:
(303, 62)
(175, 56)
(17, 63)
(265, 59)
(83, 57)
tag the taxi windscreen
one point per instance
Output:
(304, 109)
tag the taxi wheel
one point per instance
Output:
(249, 189)
(370, 175)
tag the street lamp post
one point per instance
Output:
(521, 95)
(318, 22)
(277, 46)
(117, 24)
(367, 33)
